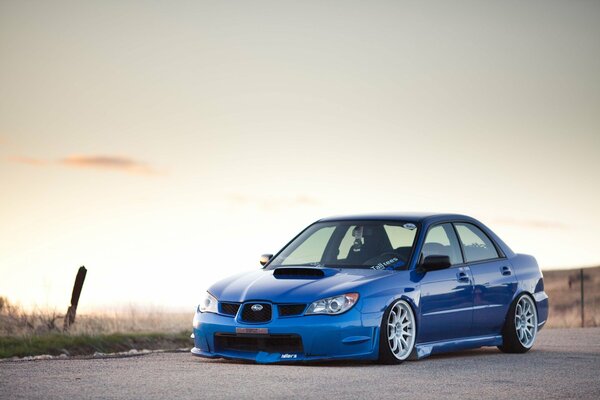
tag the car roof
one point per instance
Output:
(415, 217)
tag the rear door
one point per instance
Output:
(447, 294)
(494, 280)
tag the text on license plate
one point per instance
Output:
(253, 331)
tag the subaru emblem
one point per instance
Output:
(257, 307)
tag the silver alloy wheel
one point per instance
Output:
(401, 330)
(526, 321)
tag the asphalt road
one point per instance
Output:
(565, 363)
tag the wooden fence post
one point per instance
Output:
(582, 299)
(72, 311)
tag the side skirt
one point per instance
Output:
(442, 346)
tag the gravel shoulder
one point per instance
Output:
(563, 364)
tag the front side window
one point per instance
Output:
(476, 244)
(351, 244)
(441, 241)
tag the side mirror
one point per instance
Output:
(435, 262)
(265, 258)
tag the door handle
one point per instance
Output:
(462, 277)
(506, 270)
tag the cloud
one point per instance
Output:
(272, 204)
(108, 162)
(531, 223)
(125, 164)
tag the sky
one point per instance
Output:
(167, 144)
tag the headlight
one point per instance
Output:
(209, 304)
(333, 305)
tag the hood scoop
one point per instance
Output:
(302, 272)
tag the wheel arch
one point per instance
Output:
(515, 298)
(412, 304)
(409, 301)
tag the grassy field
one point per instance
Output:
(40, 332)
(75, 345)
(563, 288)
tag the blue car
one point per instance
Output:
(377, 287)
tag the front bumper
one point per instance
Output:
(352, 335)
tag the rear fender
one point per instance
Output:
(531, 281)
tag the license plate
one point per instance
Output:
(253, 331)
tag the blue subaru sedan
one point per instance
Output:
(376, 287)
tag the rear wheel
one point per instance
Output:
(397, 334)
(520, 328)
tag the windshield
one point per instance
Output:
(351, 244)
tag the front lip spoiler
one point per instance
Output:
(273, 358)
(197, 352)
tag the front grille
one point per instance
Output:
(266, 343)
(229, 308)
(262, 315)
(287, 310)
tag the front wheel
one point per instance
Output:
(520, 329)
(397, 334)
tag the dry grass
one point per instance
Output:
(133, 321)
(14, 321)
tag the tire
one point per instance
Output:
(520, 329)
(397, 333)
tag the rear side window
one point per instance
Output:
(476, 244)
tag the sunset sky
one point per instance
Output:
(165, 145)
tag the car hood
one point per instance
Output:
(294, 287)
